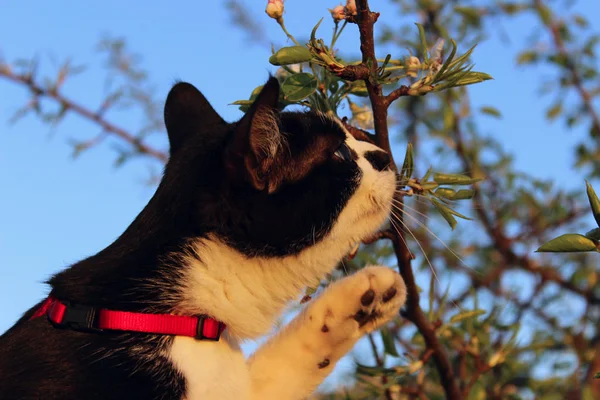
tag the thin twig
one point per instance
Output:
(97, 118)
(585, 95)
(395, 94)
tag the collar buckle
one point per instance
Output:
(78, 318)
(202, 329)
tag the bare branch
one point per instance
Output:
(96, 117)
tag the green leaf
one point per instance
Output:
(477, 392)
(427, 175)
(415, 366)
(597, 376)
(299, 86)
(314, 31)
(471, 15)
(594, 234)
(459, 215)
(454, 179)
(554, 111)
(359, 88)
(448, 60)
(588, 393)
(527, 57)
(245, 104)
(594, 202)
(310, 291)
(445, 212)
(242, 103)
(423, 39)
(389, 345)
(581, 21)
(445, 192)
(442, 303)
(570, 242)
(491, 111)
(291, 55)
(472, 77)
(408, 165)
(466, 315)
(429, 185)
(463, 194)
(545, 14)
(460, 61)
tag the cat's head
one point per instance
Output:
(274, 183)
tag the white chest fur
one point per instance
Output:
(213, 370)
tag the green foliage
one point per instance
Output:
(573, 242)
(594, 202)
(570, 242)
(297, 87)
(327, 67)
(290, 55)
(301, 88)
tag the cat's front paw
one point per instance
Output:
(356, 305)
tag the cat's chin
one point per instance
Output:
(374, 219)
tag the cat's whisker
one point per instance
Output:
(416, 240)
(400, 236)
(421, 199)
(422, 250)
(344, 267)
(435, 276)
(399, 203)
(438, 238)
(425, 200)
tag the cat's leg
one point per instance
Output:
(296, 360)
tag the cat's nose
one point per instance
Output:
(380, 160)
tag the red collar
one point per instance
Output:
(64, 314)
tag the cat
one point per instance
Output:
(246, 216)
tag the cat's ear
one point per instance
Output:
(257, 141)
(187, 112)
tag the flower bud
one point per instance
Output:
(338, 13)
(350, 7)
(362, 116)
(413, 64)
(275, 9)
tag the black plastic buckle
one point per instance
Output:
(200, 330)
(79, 318)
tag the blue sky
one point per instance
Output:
(55, 210)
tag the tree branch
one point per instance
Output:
(395, 94)
(365, 20)
(97, 118)
(585, 95)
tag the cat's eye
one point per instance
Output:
(343, 152)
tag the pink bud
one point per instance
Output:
(351, 7)
(338, 13)
(275, 9)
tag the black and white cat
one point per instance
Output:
(247, 215)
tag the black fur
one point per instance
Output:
(380, 160)
(218, 182)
